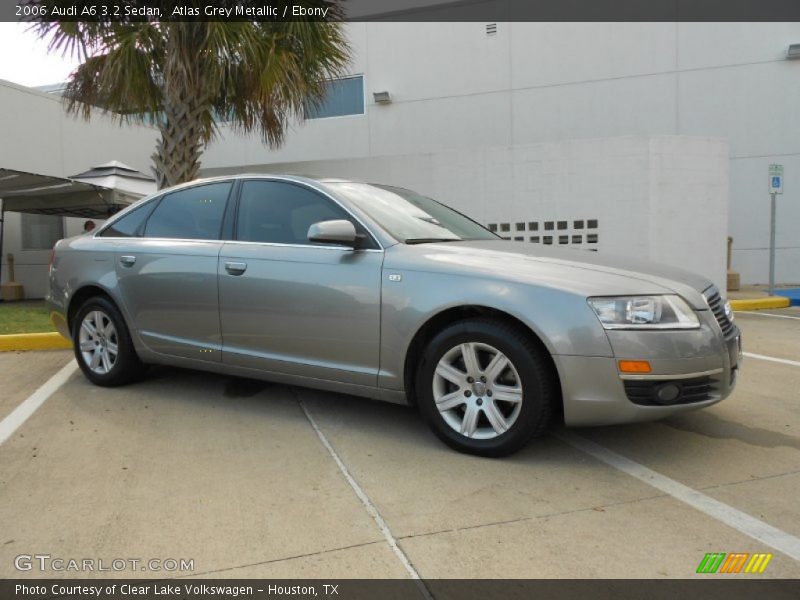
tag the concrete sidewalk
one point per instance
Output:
(232, 474)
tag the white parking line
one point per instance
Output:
(741, 521)
(760, 314)
(371, 508)
(20, 414)
(783, 361)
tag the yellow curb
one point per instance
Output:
(760, 303)
(33, 341)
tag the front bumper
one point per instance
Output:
(595, 393)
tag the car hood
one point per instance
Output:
(579, 271)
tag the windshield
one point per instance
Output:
(410, 217)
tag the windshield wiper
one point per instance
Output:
(430, 240)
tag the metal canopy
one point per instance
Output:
(114, 167)
(98, 198)
(43, 194)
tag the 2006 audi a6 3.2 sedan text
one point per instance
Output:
(378, 291)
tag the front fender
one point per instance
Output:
(562, 320)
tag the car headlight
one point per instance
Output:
(644, 312)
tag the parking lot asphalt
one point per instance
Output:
(22, 372)
(251, 479)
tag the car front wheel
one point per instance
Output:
(485, 388)
(103, 346)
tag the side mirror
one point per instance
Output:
(339, 233)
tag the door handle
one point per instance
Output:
(235, 268)
(127, 261)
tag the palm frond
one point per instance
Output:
(256, 76)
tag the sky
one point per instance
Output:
(25, 59)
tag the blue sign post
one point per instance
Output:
(775, 188)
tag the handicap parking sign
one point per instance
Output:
(776, 179)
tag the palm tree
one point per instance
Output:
(186, 77)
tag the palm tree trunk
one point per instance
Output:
(177, 156)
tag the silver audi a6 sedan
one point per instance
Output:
(378, 291)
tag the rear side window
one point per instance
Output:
(129, 225)
(194, 213)
(281, 213)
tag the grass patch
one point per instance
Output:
(27, 316)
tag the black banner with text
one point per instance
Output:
(727, 588)
(402, 10)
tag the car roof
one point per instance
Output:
(300, 177)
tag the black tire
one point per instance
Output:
(126, 367)
(532, 365)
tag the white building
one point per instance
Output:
(463, 94)
(646, 138)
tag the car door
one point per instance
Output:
(294, 307)
(167, 275)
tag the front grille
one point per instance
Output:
(717, 306)
(646, 392)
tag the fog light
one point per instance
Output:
(668, 393)
(634, 366)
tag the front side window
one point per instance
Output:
(281, 213)
(410, 217)
(194, 213)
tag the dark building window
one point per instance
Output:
(343, 97)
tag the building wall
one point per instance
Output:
(39, 137)
(455, 88)
(31, 266)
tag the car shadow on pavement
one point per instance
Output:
(388, 425)
(710, 425)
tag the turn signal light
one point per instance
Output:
(634, 366)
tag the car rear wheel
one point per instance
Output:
(485, 388)
(103, 346)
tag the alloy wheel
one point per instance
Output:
(477, 390)
(98, 341)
